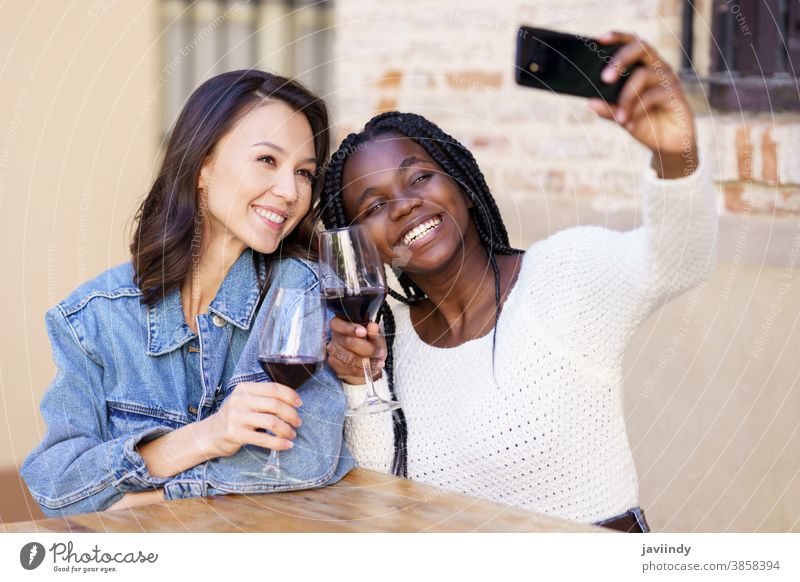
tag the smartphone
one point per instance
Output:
(566, 63)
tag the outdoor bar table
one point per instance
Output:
(364, 501)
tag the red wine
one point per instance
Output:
(290, 370)
(361, 308)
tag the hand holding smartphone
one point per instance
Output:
(566, 63)
(626, 81)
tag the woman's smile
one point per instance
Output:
(270, 216)
(421, 232)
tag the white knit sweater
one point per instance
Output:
(547, 431)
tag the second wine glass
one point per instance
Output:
(354, 287)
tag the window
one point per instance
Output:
(202, 38)
(754, 53)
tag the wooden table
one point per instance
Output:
(364, 501)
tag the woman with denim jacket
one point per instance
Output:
(158, 392)
(508, 364)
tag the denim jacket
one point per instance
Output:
(128, 373)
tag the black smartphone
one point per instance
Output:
(566, 63)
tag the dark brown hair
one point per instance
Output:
(163, 237)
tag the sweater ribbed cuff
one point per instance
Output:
(356, 393)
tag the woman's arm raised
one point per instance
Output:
(651, 106)
(595, 285)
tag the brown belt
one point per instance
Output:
(626, 523)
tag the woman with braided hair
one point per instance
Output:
(508, 364)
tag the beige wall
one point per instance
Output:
(77, 144)
(712, 392)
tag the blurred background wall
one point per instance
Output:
(712, 387)
(74, 157)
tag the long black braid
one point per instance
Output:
(459, 163)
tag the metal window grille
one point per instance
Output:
(755, 54)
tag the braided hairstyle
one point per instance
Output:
(456, 161)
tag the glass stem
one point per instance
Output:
(371, 394)
(274, 460)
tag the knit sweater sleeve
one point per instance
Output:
(370, 438)
(591, 287)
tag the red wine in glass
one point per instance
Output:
(353, 287)
(291, 349)
(359, 307)
(290, 371)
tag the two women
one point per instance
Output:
(159, 392)
(508, 364)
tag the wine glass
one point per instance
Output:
(291, 349)
(354, 287)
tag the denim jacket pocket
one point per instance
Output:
(126, 418)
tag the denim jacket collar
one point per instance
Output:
(235, 302)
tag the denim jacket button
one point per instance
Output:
(192, 410)
(218, 321)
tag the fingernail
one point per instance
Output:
(381, 364)
(608, 75)
(361, 331)
(291, 444)
(620, 116)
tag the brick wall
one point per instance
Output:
(549, 161)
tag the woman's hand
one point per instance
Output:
(251, 406)
(349, 344)
(651, 105)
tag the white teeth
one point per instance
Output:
(421, 230)
(270, 215)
